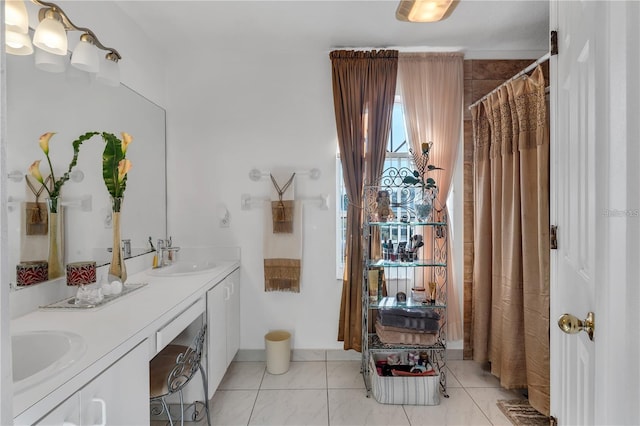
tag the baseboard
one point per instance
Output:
(259, 355)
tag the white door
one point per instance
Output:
(594, 202)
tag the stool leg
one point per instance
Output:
(166, 409)
(206, 393)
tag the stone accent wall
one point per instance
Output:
(480, 78)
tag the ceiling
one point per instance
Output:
(476, 27)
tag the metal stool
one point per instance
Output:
(171, 370)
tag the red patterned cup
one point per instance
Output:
(81, 273)
(28, 273)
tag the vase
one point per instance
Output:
(56, 238)
(424, 206)
(117, 269)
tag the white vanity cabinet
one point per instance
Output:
(223, 320)
(117, 396)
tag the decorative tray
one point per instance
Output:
(70, 303)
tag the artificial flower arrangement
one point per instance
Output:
(56, 185)
(115, 166)
(421, 161)
(429, 190)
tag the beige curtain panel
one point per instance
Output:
(511, 262)
(432, 88)
(364, 85)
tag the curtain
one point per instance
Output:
(432, 89)
(363, 93)
(511, 265)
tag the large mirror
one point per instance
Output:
(71, 105)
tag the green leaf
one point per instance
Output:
(57, 186)
(111, 156)
(431, 181)
(410, 180)
(416, 173)
(432, 167)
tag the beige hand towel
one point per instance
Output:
(282, 240)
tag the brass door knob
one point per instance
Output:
(571, 324)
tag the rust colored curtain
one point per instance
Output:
(363, 92)
(511, 265)
(432, 87)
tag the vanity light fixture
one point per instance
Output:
(85, 55)
(49, 62)
(50, 34)
(50, 39)
(16, 21)
(424, 10)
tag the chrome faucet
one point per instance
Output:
(165, 252)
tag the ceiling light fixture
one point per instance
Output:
(424, 10)
(50, 37)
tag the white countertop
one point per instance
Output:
(110, 331)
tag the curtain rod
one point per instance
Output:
(540, 60)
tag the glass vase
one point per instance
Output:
(117, 269)
(424, 206)
(56, 238)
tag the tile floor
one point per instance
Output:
(332, 393)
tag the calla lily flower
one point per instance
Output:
(34, 170)
(123, 168)
(44, 142)
(126, 140)
(426, 146)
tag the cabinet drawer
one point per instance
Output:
(166, 334)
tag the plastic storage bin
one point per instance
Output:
(403, 390)
(278, 346)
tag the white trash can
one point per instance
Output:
(278, 345)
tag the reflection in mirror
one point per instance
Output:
(39, 102)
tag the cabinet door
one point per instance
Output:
(233, 315)
(120, 394)
(216, 336)
(67, 413)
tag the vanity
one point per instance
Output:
(108, 383)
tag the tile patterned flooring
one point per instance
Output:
(332, 393)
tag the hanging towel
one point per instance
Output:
(282, 239)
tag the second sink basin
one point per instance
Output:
(183, 268)
(38, 355)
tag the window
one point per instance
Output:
(397, 156)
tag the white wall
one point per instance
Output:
(229, 112)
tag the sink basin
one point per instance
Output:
(38, 355)
(183, 268)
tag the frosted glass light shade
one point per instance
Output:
(49, 62)
(423, 10)
(51, 36)
(85, 57)
(109, 73)
(18, 43)
(15, 16)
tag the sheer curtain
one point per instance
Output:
(511, 264)
(364, 85)
(432, 89)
